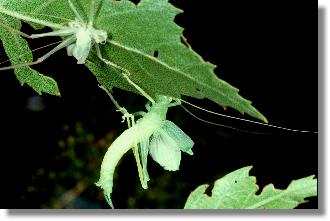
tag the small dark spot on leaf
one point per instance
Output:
(156, 54)
(235, 181)
(197, 89)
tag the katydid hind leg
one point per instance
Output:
(125, 74)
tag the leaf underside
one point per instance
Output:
(237, 190)
(145, 41)
(18, 51)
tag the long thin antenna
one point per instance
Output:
(36, 49)
(125, 74)
(246, 120)
(64, 44)
(221, 125)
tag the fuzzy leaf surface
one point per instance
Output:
(18, 51)
(145, 41)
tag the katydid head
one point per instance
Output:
(163, 99)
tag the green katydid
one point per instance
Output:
(157, 136)
(152, 134)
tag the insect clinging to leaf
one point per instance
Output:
(152, 134)
(79, 37)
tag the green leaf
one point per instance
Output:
(140, 31)
(144, 40)
(19, 52)
(51, 13)
(237, 190)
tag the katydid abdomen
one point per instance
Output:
(143, 129)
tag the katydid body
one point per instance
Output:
(143, 129)
(139, 134)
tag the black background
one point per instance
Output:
(267, 49)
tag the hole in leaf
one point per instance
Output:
(197, 89)
(135, 1)
(156, 53)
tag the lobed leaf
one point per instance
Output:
(237, 190)
(19, 52)
(144, 40)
